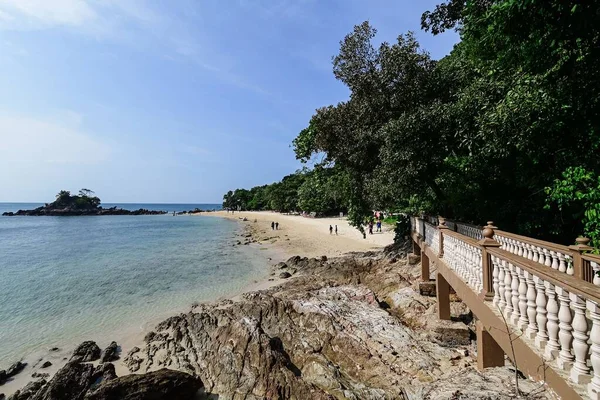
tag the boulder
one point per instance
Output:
(28, 391)
(3, 376)
(15, 369)
(451, 333)
(111, 353)
(40, 375)
(285, 275)
(414, 259)
(86, 351)
(46, 364)
(281, 265)
(323, 258)
(71, 382)
(427, 289)
(162, 384)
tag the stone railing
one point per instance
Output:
(432, 237)
(547, 293)
(570, 260)
(550, 308)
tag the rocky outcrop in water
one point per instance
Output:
(111, 353)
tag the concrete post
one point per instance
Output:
(443, 297)
(578, 249)
(489, 353)
(487, 292)
(424, 267)
(442, 228)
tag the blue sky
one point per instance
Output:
(179, 101)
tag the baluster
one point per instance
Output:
(515, 248)
(479, 271)
(508, 308)
(562, 266)
(520, 251)
(580, 373)
(531, 330)
(514, 286)
(554, 260)
(541, 260)
(596, 269)
(495, 280)
(548, 257)
(569, 262)
(501, 304)
(594, 386)
(523, 317)
(534, 251)
(529, 252)
(565, 358)
(540, 301)
(552, 345)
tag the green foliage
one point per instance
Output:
(578, 194)
(402, 228)
(84, 201)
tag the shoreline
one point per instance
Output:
(132, 336)
(296, 236)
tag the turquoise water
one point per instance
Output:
(68, 279)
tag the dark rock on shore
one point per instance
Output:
(28, 391)
(71, 382)
(3, 376)
(111, 353)
(48, 211)
(158, 385)
(86, 351)
(11, 371)
(46, 364)
(285, 275)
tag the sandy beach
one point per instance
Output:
(305, 236)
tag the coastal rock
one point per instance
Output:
(111, 353)
(15, 369)
(28, 391)
(71, 382)
(46, 364)
(40, 375)
(281, 265)
(285, 275)
(86, 351)
(104, 372)
(3, 376)
(351, 327)
(158, 385)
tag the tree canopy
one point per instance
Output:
(503, 128)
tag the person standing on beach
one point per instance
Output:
(272, 226)
(336, 230)
(276, 226)
(379, 225)
(370, 227)
(330, 229)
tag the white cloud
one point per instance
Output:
(38, 142)
(47, 13)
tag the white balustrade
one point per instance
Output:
(596, 271)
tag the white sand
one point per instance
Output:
(309, 236)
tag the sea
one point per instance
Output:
(64, 280)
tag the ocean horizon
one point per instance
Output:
(64, 280)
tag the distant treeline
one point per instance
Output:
(323, 190)
(504, 128)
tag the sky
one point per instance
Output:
(178, 101)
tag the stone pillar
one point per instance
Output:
(580, 247)
(442, 228)
(489, 353)
(487, 293)
(443, 297)
(424, 267)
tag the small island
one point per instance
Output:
(84, 203)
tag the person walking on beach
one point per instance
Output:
(330, 229)
(276, 226)
(379, 225)
(370, 227)
(336, 230)
(272, 226)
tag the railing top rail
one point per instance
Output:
(542, 243)
(591, 257)
(571, 284)
(466, 239)
(480, 227)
